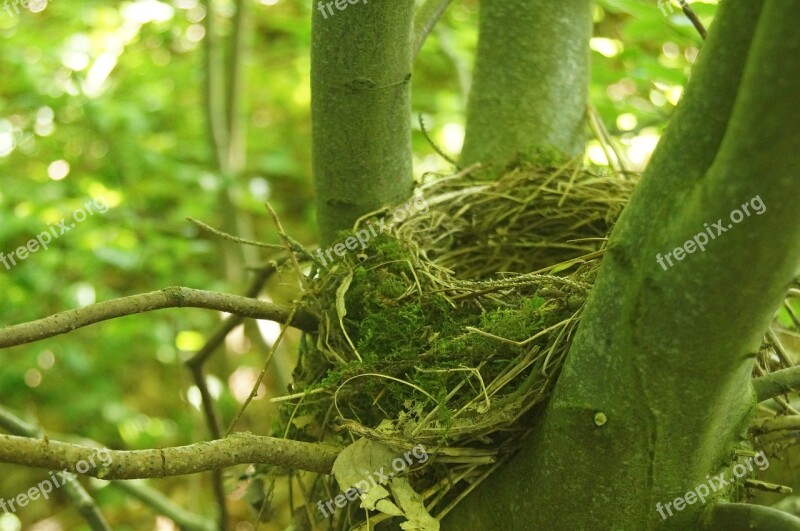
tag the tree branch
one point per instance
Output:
(747, 517)
(86, 505)
(172, 297)
(236, 449)
(777, 383)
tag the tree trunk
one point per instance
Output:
(531, 81)
(665, 353)
(361, 109)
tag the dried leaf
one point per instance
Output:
(366, 465)
(411, 504)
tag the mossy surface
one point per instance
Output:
(407, 350)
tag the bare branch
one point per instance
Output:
(236, 449)
(172, 297)
(85, 503)
(777, 383)
(231, 237)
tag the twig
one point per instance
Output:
(258, 381)
(287, 242)
(436, 148)
(692, 16)
(81, 499)
(780, 351)
(195, 363)
(792, 315)
(172, 297)
(424, 20)
(186, 520)
(297, 395)
(767, 487)
(787, 407)
(783, 423)
(617, 162)
(290, 245)
(236, 449)
(777, 383)
(224, 235)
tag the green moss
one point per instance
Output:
(404, 327)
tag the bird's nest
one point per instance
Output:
(450, 327)
(448, 330)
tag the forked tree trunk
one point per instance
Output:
(666, 353)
